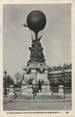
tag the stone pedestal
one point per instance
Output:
(27, 91)
(11, 92)
(45, 86)
(36, 76)
(45, 90)
(61, 91)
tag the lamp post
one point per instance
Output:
(5, 75)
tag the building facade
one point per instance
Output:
(61, 75)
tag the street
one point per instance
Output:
(39, 105)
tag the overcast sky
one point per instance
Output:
(56, 41)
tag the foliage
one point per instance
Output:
(8, 81)
(18, 78)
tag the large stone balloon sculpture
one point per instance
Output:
(36, 21)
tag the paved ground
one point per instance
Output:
(51, 103)
(37, 105)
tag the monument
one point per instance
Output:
(36, 70)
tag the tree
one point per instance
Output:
(8, 81)
(18, 78)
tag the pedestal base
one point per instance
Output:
(45, 90)
(61, 91)
(38, 75)
(26, 90)
(11, 92)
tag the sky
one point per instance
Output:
(56, 40)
